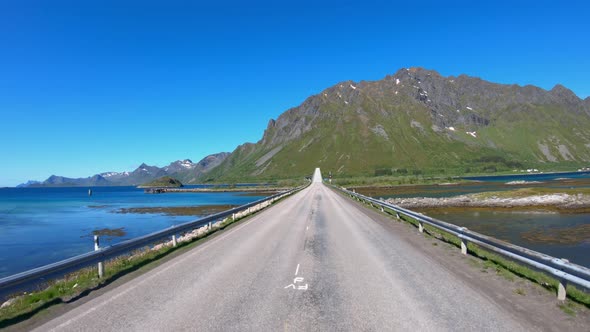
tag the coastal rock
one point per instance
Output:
(560, 201)
(8, 303)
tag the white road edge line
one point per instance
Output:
(297, 270)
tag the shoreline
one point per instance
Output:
(195, 211)
(178, 210)
(161, 190)
(556, 202)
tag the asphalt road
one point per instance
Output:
(313, 262)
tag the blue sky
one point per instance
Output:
(93, 86)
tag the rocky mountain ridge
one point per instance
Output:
(418, 121)
(184, 170)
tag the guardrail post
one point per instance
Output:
(233, 217)
(463, 247)
(561, 290)
(463, 243)
(382, 210)
(100, 264)
(209, 226)
(420, 226)
(174, 243)
(397, 215)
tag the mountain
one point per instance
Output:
(184, 170)
(418, 121)
(195, 172)
(28, 184)
(179, 166)
(60, 181)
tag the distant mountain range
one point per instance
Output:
(418, 121)
(184, 170)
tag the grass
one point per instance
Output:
(568, 307)
(380, 181)
(422, 176)
(81, 283)
(502, 266)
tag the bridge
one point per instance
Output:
(315, 261)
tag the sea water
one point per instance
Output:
(39, 226)
(513, 226)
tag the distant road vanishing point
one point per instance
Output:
(316, 261)
(317, 176)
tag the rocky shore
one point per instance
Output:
(578, 203)
(250, 190)
(179, 210)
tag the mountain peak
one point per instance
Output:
(561, 90)
(421, 70)
(417, 71)
(566, 96)
(29, 183)
(271, 123)
(179, 165)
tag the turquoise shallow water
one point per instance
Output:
(39, 226)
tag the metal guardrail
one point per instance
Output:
(15, 283)
(562, 269)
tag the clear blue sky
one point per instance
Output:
(93, 86)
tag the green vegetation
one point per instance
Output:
(163, 182)
(568, 308)
(384, 181)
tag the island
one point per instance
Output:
(163, 182)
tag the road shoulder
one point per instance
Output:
(523, 299)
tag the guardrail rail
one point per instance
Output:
(28, 279)
(561, 269)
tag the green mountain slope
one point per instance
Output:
(418, 121)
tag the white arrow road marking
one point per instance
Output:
(297, 280)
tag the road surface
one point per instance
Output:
(314, 262)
